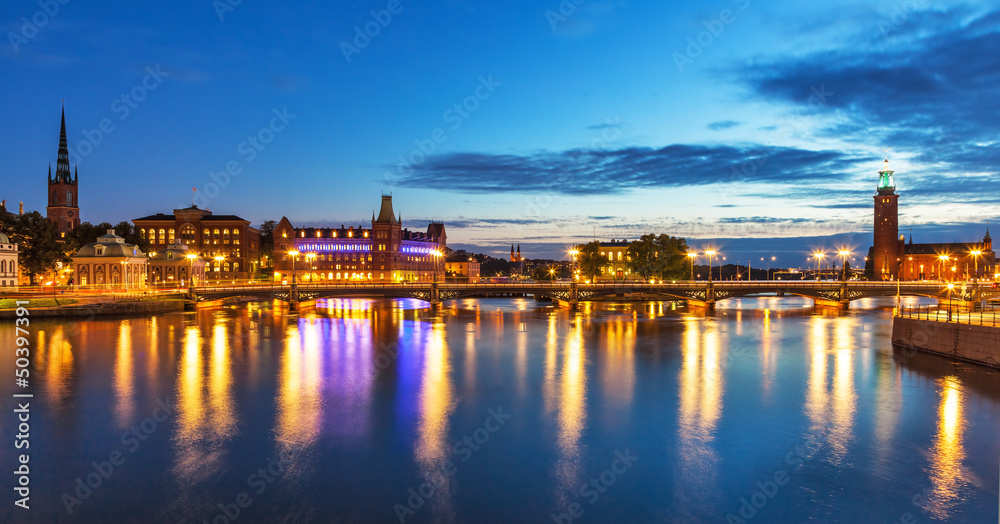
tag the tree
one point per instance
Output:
(39, 251)
(87, 233)
(589, 260)
(659, 257)
(267, 243)
(544, 273)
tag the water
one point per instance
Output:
(501, 411)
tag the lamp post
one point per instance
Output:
(191, 269)
(293, 253)
(218, 264)
(819, 258)
(951, 286)
(711, 253)
(437, 257)
(572, 268)
(124, 284)
(692, 255)
(975, 257)
(843, 264)
(943, 258)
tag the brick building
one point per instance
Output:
(227, 242)
(383, 253)
(63, 209)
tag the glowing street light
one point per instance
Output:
(711, 253)
(191, 258)
(819, 258)
(975, 257)
(843, 265)
(692, 255)
(437, 256)
(943, 258)
(293, 253)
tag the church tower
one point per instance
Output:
(63, 210)
(886, 245)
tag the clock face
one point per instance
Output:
(71, 213)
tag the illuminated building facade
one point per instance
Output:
(616, 268)
(462, 267)
(227, 242)
(8, 262)
(172, 266)
(110, 262)
(384, 253)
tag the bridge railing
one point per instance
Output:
(987, 316)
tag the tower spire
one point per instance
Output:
(62, 158)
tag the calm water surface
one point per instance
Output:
(501, 411)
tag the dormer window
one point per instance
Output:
(100, 251)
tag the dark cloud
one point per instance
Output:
(593, 172)
(928, 86)
(723, 124)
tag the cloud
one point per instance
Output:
(722, 125)
(601, 172)
(928, 86)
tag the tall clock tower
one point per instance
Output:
(886, 246)
(63, 210)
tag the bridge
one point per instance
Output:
(704, 294)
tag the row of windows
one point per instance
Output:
(611, 255)
(4, 268)
(166, 236)
(319, 234)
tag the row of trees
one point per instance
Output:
(660, 257)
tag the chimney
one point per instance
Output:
(111, 231)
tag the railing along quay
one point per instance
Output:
(972, 317)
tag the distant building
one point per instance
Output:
(384, 253)
(616, 252)
(892, 258)
(463, 267)
(172, 265)
(8, 262)
(227, 242)
(110, 262)
(63, 210)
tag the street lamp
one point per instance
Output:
(692, 255)
(124, 284)
(843, 265)
(437, 257)
(975, 257)
(951, 286)
(819, 258)
(293, 254)
(573, 253)
(191, 258)
(711, 253)
(218, 265)
(943, 258)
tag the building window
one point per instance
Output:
(187, 234)
(170, 240)
(236, 266)
(69, 198)
(163, 237)
(236, 236)
(215, 236)
(142, 234)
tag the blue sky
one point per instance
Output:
(543, 123)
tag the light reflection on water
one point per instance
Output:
(365, 399)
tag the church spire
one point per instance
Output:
(62, 158)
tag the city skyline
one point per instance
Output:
(742, 135)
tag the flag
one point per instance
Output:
(195, 189)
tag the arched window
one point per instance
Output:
(163, 236)
(69, 198)
(187, 234)
(226, 267)
(142, 234)
(225, 236)
(206, 237)
(236, 236)
(215, 236)
(170, 240)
